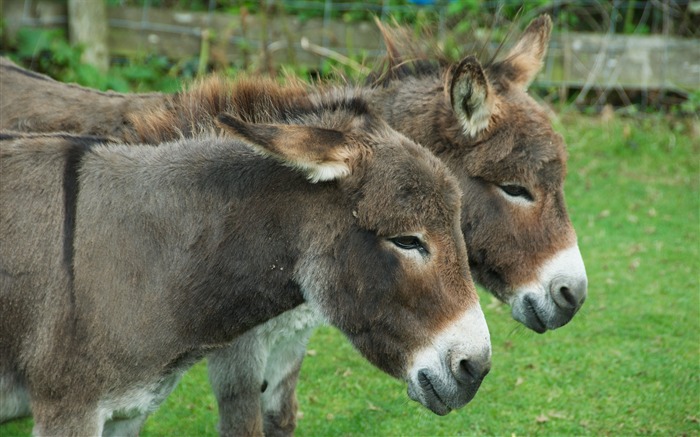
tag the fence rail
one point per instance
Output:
(602, 61)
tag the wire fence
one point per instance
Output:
(601, 68)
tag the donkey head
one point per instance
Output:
(511, 165)
(387, 263)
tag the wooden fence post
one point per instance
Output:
(87, 25)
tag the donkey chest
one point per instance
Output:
(301, 318)
(138, 401)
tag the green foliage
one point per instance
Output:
(49, 52)
(190, 5)
(631, 16)
(692, 104)
(627, 364)
(154, 73)
(628, 17)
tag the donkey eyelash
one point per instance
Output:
(409, 242)
(514, 190)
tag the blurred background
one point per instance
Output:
(637, 55)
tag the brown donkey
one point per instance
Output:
(120, 266)
(511, 164)
(478, 119)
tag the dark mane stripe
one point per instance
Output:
(24, 72)
(79, 146)
(6, 136)
(354, 105)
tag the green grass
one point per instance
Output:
(629, 362)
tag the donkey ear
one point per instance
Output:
(525, 60)
(469, 96)
(321, 154)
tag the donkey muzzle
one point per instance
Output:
(447, 374)
(556, 296)
(442, 395)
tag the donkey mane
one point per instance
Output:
(405, 57)
(254, 100)
(87, 139)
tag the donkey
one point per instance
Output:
(478, 119)
(120, 265)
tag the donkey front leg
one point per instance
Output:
(236, 376)
(280, 405)
(279, 400)
(124, 427)
(65, 419)
(14, 397)
(129, 420)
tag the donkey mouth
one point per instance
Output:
(540, 314)
(532, 317)
(431, 398)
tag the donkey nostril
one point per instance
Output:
(464, 368)
(473, 370)
(568, 296)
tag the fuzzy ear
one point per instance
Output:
(321, 154)
(470, 96)
(389, 41)
(525, 59)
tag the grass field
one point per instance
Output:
(629, 362)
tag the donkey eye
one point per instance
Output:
(517, 191)
(409, 242)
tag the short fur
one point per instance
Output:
(518, 143)
(497, 136)
(120, 266)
